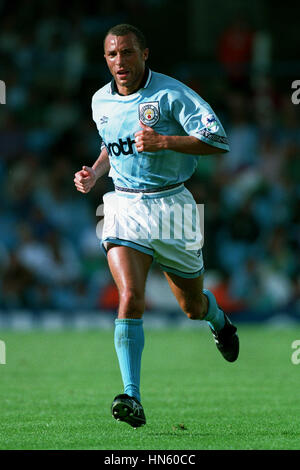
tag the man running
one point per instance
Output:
(153, 129)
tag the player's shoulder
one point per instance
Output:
(174, 87)
(162, 81)
(158, 77)
(102, 93)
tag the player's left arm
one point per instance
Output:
(148, 140)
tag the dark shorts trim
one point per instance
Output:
(135, 246)
(182, 273)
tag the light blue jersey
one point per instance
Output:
(171, 108)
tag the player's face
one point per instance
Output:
(126, 61)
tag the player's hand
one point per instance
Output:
(147, 140)
(85, 179)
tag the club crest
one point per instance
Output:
(149, 113)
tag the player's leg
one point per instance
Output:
(129, 269)
(200, 304)
(196, 302)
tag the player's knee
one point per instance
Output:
(193, 315)
(191, 309)
(131, 302)
(196, 309)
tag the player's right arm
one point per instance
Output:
(86, 178)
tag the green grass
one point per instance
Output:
(57, 387)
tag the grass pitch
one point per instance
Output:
(57, 387)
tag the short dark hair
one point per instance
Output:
(124, 29)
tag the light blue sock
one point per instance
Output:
(214, 316)
(129, 344)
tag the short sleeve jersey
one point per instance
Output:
(171, 108)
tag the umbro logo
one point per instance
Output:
(104, 120)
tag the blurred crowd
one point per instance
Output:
(50, 256)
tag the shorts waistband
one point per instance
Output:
(146, 191)
(158, 194)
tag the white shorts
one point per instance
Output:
(166, 225)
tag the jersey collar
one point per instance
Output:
(145, 82)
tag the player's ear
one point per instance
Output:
(146, 53)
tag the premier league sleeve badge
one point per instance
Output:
(149, 113)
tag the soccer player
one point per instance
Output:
(153, 129)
